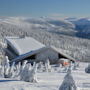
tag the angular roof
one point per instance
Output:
(23, 56)
(24, 44)
(62, 53)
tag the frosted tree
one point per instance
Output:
(17, 69)
(24, 73)
(68, 83)
(29, 66)
(11, 72)
(5, 61)
(6, 70)
(6, 67)
(24, 64)
(21, 67)
(40, 66)
(47, 66)
(3, 45)
(33, 74)
(28, 74)
(1, 71)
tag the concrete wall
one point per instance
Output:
(47, 54)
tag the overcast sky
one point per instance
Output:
(38, 8)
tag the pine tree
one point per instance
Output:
(68, 83)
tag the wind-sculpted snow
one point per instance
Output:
(48, 33)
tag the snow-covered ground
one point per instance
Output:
(49, 80)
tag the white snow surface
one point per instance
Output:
(49, 80)
(24, 45)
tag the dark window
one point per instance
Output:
(31, 57)
(60, 56)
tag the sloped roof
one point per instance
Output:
(23, 45)
(62, 53)
(21, 57)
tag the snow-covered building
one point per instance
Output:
(27, 48)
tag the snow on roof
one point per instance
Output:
(23, 56)
(62, 53)
(24, 44)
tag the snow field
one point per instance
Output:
(49, 80)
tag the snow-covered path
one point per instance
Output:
(49, 81)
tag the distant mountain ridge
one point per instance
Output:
(78, 27)
(82, 25)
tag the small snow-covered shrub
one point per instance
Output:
(40, 66)
(11, 72)
(65, 69)
(75, 66)
(68, 83)
(6, 67)
(1, 71)
(33, 74)
(47, 66)
(24, 64)
(17, 70)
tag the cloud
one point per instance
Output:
(57, 15)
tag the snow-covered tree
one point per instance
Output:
(40, 66)
(1, 71)
(6, 70)
(68, 83)
(17, 69)
(47, 66)
(33, 74)
(24, 64)
(24, 73)
(28, 74)
(6, 67)
(11, 72)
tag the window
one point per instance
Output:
(31, 57)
